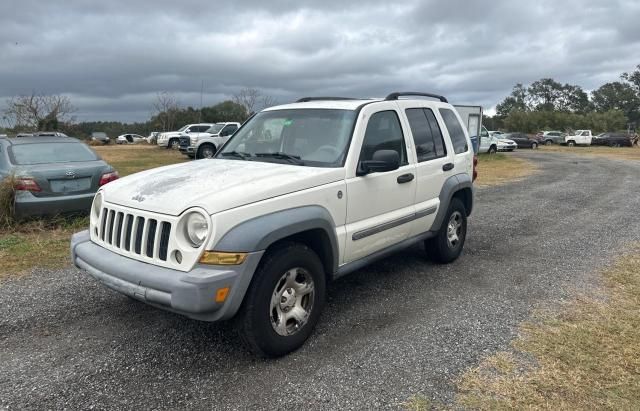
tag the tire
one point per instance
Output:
(441, 248)
(206, 150)
(534, 146)
(571, 143)
(173, 144)
(492, 150)
(548, 143)
(269, 298)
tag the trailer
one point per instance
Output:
(472, 118)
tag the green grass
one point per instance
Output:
(585, 357)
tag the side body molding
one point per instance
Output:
(449, 188)
(259, 233)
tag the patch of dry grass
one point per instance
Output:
(587, 357)
(129, 159)
(619, 153)
(7, 195)
(496, 169)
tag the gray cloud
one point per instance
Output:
(112, 57)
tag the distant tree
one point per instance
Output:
(617, 96)
(253, 99)
(573, 99)
(225, 111)
(516, 101)
(165, 109)
(544, 94)
(633, 78)
(35, 110)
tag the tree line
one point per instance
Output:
(549, 105)
(38, 112)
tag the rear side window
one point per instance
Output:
(426, 134)
(383, 133)
(456, 132)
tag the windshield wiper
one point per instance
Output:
(282, 156)
(240, 154)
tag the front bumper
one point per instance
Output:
(190, 293)
(28, 205)
(189, 150)
(507, 148)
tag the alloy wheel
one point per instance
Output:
(292, 301)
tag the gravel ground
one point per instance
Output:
(400, 327)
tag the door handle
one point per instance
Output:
(405, 178)
(447, 167)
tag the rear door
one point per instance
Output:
(380, 206)
(450, 123)
(434, 162)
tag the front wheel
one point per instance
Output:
(571, 143)
(493, 150)
(206, 151)
(534, 146)
(548, 142)
(284, 302)
(174, 144)
(447, 245)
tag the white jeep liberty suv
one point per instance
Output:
(301, 194)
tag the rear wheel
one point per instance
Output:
(448, 243)
(284, 301)
(206, 151)
(548, 142)
(571, 143)
(534, 146)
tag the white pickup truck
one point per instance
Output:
(301, 195)
(205, 145)
(580, 137)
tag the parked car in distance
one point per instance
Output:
(492, 143)
(171, 139)
(522, 140)
(205, 145)
(100, 136)
(302, 194)
(551, 137)
(579, 137)
(495, 133)
(52, 175)
(613, 140)
(130, 139)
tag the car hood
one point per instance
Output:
(215, 185)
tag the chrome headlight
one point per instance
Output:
(196, 228)
(96, 206)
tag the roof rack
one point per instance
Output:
(394, 96)
(307, 99)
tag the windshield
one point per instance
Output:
(41, 153)
(183, 128)
(313, 137)
(215, 129)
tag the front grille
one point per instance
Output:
(185, 141)
(146, 237)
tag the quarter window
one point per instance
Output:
(456, 132)
(426, 134)
(383, 133)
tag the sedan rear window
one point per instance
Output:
(42, 153)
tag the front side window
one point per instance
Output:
(43, 153)
(310, 137)
(426, 134)
(455, 131)
(228, 130)
(383, 133)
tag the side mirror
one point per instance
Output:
(383, 160)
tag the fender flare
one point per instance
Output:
(451, 185)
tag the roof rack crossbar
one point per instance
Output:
(307, 99)
(394, 96)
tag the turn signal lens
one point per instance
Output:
(221, 294)
(222, 258)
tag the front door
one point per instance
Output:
(380, 206)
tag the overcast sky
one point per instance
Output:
(112, 57)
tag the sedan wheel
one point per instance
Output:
(548, 142)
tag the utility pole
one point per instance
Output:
(201, 92)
